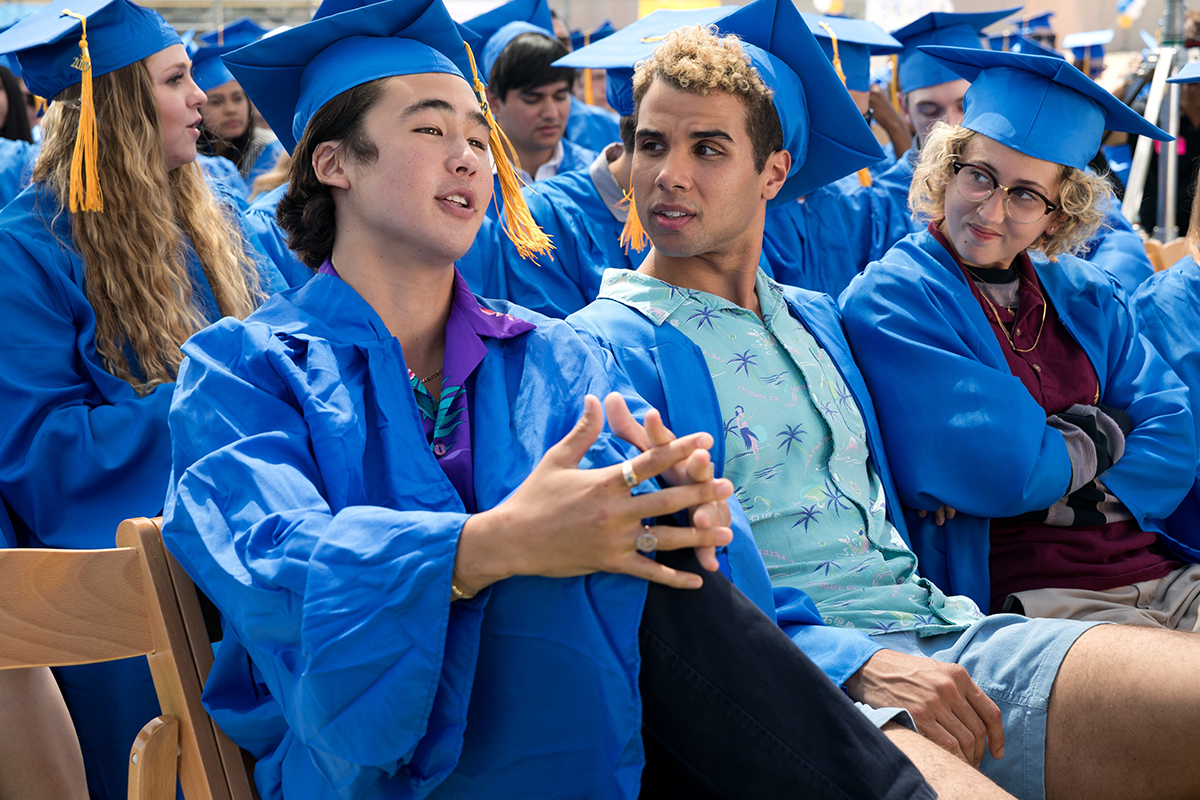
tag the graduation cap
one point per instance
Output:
(1011, 42)
(620, 52)
(1036, 22)
(849, 45)
(916, 70)
(1190, 73)
(291, 75)
(584, 38)
(238, 33)
(208, 71)
(1087, 47)
(498, 27)
(1040, 106)
(73, 41)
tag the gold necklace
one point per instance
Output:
(431, 377)
(996, 314)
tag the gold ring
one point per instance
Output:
(628, 475)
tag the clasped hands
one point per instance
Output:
(564, 521)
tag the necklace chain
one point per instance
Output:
(431, 377)
(996, 314)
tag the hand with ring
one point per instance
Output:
(564, 521)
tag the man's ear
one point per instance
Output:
(327, 165)
(775, 171)
(494, 100)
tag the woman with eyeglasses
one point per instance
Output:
(1017, 400)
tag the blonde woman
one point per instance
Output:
(115, 254)
(1017, 400)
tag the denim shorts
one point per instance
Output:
(1014, 660)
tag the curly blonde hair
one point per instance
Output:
(136, 250)
(1082, 196)
(695, 59)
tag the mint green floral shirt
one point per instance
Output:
(796, 451)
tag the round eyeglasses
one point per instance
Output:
(976, 184)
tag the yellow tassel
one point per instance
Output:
(633, 233)
(519, 224)
(864, 177)
(894, 85)
(589, 94)
(85, 178)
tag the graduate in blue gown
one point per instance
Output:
(377, 485)
(101, 290)
(961, 429)
(591, 127)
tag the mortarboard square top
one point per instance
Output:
(857, 40)
(289, 76)
(238, 33)
(208, 71)
(917, 71)
(1190, 73)
(498, 27)
(603, 31)
(1036, 22)
(118, 32)
(1016, 43)
(1042, 107)
(1089, 44)
(621, 51)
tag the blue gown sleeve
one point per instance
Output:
(942, 410)
(346, 614)
(1119, 251)
(81, 451)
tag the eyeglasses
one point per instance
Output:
(975, 184)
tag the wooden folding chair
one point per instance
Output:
(60, 607)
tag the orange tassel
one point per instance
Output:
(589, 93)
(894, 85)
(519, 225)
(85, 178)
(633, 233)
(864, 177)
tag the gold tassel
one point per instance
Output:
(85, 179)
(633, 233)
(589, 94)
(519, 225)
(864, 175)
(894, 85)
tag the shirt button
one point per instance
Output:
(1017, 331)
(835, 476)
(439, 449)
(1037, 367)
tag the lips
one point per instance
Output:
(670, 217)
(460, 202)
(983, 234)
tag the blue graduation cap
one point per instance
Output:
(917, 71)
(498, 27)
(1042, 107)
(1190, 73)
(578, 38)
(1036, 23)
(619, 53)
(291, 75)
(188, 39)
(208, 71)
(1088, 46)
(47, 43)
(853, 42)
(1012, 42)
(238, 33)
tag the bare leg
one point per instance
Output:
(1124, 717)
(950, 776)
(39, 753)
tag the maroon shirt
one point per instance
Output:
(1058, 374)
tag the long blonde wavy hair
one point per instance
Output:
(1082, 196)
(135, 251)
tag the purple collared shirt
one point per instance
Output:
(447, 421)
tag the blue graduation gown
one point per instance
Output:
(670, 372)
(264, 163)
(80, 451)
(586, 238)
(592, 127)
(306, 503)
(16, 166)
(1167, 307)
(575, 158)
(961, 430)
(477, 265)
(222, 171)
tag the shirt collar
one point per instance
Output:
(658, 300)
(547, 170)
(606, 185)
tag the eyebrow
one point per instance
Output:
(436, 104)
(1018, 182)
(646, 133)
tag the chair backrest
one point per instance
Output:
(1154, 251)
(1174, 250)
(211, 766)
(61, 607)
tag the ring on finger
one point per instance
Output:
(647, 542)
(628, 475)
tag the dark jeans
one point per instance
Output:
(732, 708)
